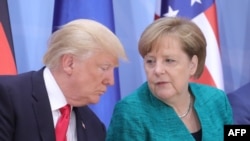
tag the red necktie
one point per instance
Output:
(63, 123)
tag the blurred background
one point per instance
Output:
(32, 22)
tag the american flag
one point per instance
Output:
(203, 13)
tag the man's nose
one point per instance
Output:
(109, 79)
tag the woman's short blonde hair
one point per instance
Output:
(188, 33)
(81, 37)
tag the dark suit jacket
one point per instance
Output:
(25, 113)
(240, 102)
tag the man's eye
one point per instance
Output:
(105, 67)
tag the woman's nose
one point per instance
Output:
(159, 68)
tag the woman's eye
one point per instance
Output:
(170, 60)
(149, 61)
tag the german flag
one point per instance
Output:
(7, 59)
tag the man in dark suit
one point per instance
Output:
(240, 102)
(79, 65)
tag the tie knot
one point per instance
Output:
(65, 110)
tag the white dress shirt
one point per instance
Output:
(57, 100)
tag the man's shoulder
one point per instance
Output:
(243, 91)
(240, 96)
(18, 78)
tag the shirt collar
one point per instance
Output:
(56, 97)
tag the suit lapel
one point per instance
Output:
(80, 125)
(42, 108)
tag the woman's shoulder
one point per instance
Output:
(202, 87)
(206, 91)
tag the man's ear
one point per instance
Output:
(67, 61)
(193, 65)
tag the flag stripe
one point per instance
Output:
(7, 58)
(217, 74)
(7, 63)
(213, 60)
(212, 18)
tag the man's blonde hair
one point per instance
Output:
(81, 37)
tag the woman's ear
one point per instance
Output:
(193, 65)
(67, 61)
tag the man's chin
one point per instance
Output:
(95, 100)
